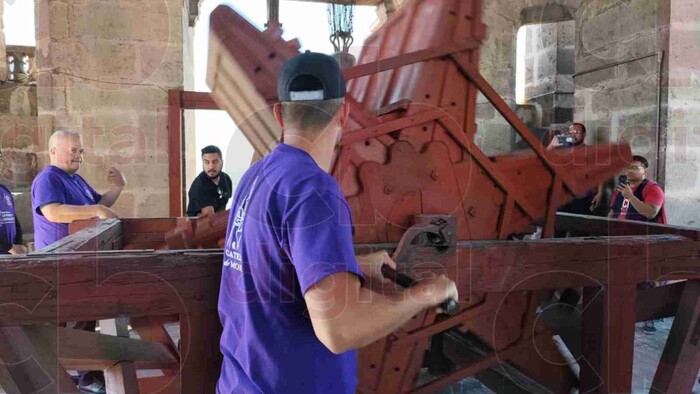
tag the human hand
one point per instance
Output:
(625, 190)
(371, 265)
(115, 177)
(18, 249)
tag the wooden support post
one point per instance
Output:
(31, 366)
(607, 343)
(175, 152)
(199, 346)
(680, 361)
(121, 377)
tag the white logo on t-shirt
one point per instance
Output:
(8, 200)
(88, 194)
(233, 257)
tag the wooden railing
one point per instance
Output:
(82, 278)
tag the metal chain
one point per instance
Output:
(340, 21)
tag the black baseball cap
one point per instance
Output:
(310, 76)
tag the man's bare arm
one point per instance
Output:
(64, 213)
(108, 199)
(347, 316)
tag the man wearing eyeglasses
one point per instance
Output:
(211, 190)
(640, 198)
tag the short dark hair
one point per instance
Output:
(211, 149)
(583, 128)
(642, 160)
(310, 115)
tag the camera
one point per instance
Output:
(566, 140)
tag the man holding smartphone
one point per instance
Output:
(636, 197)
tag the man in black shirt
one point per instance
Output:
(211, 190)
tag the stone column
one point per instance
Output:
(104, 69)
(683, 132)
(3, 52)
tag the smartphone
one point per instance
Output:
(622, 180)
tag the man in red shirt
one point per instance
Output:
(640, 199)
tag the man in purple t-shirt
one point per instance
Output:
(294, 300)
(60, 195)
(10, 229)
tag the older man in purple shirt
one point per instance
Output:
(60, 196)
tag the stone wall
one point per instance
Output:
(18, 142)
(498, 65)
(548, 66)
(104, 69)
(617, 73)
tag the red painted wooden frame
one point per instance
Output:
(179, 101)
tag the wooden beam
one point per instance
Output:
(83, 350)
(201, 357)
(101, 236)
(32, 365)
(120, 378)
(198, 101)
(658, 302)
(175, 153)
(607, 341)
(406, 59)
(594, 225)
(680, 361)
(100, 285)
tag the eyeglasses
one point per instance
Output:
(221, 192)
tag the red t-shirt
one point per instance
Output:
(653, 194)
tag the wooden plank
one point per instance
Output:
(83, 350)
(101, 285)
(554, 196)
(175, 153)
(406, 59)
(121, 378)
(611, 227)
(32, 365)
(6, 381)
(680, 361)
(201, 357)
(168, 384)
(109, 284)
(658, 302)
(101, 236)
(198, 100)
(607, 341)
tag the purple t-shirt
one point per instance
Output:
(8, 226)
(53, 185)
(289, 228)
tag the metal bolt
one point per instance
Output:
(471, 212)
(434, 175)
(388, 190)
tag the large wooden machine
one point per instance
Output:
(414, 178)
(418, 187)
